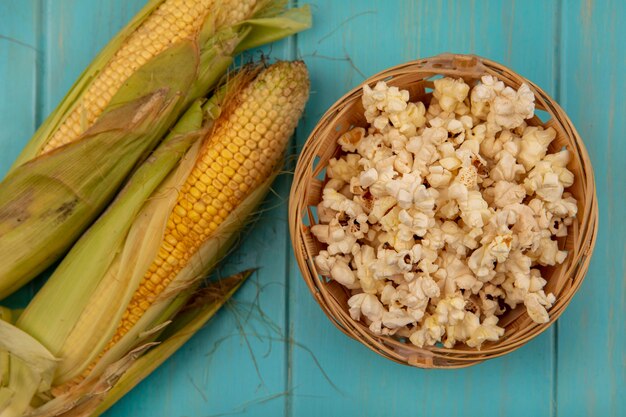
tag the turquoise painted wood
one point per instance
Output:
(271, 351)
(591, 334)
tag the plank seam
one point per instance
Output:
(42, 30)
(288, 412)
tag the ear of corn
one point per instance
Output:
(124, 103)
(122, 299)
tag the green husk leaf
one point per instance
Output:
(270, 29)
(22, 345)
(185, 324)
(104, 306)
(94, 396)
(81, 400)
(27, 368)
(45, 216)
(46, 202)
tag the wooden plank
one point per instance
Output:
(18, 77)
(74, 32)
(19, 60)
(591, 368)
(352, 40)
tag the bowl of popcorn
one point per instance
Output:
(444, 212)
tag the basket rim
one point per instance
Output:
(472, 67)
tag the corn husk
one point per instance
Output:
(76, 318)
(119, 378)
(32, 366)
(47, 201)
(27, 368)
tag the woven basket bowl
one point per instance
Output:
(309, 179)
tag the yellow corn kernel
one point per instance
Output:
(218, 199)
(169, 23)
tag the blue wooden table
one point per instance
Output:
(271, 351)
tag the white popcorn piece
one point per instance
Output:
(483, 94)
(344, 168)
(336, 267)
(454, 274)
(414, 222)
(364, 258)
(475, 211)
(369, 306)
(409, 120)
(438, 176)
(343, 274)
(511, 107)
(536, 304)
(450, 93)
(323, 262)
(350, 140)
(550, 177)
(534, 145)
(507, 193)
(368, 177)
(547, 252)
(429, 333)
(379, 207)
(486, 331)
(450, 310)
(502, 106)
(481, 262)
(494, 144)
(424, 148)
(506, 169)
(396, 318)
(334, 200)
(454, 238)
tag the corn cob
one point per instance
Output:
(136, 280)
(172, 53)
(171, 21)
(239, 156)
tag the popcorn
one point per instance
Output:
(536, 304)
(450, 93)
(368, 177)
(344, 168)
(506, 193)
(502, 106)
(369, 306)
(437, 218)
(486, 331)
(534, 145)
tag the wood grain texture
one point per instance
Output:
(19, 53)
(591, 368)
(271, 351)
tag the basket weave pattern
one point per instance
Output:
(416, 76)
